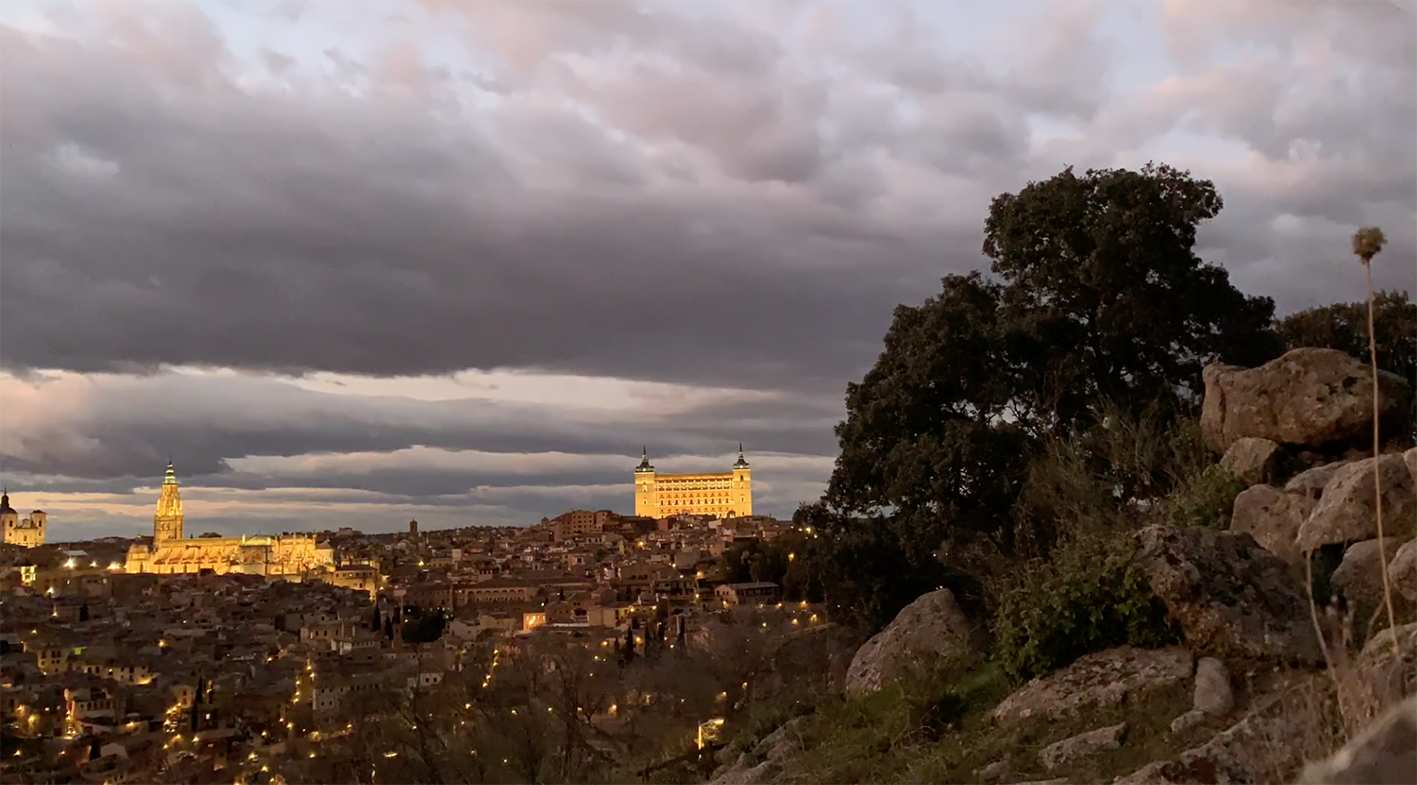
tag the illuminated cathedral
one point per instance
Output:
(288, 556)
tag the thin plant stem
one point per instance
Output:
(1377, 470)
(1331, 667)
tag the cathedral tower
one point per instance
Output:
(167, 523)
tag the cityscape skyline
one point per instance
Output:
(206, 525)
(442, 260)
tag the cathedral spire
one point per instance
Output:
(167, 522)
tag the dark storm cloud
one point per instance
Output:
(385, 223)
(726, 195)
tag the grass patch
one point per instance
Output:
(1206, 499)
(928, 731)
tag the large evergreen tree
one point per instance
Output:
(1097, 296)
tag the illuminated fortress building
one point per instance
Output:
(722, 495)
(288, 556)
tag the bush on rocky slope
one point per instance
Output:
(1091, 596)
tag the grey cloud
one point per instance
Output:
(658, 192)
(319, 230)
(128, 428)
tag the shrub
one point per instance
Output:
(1090, 597)
(1206, 499)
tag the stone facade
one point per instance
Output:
(24, 532)
(289, 556)
(722, 495)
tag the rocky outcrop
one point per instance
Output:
(1307, 397)
(1345, 512)
(1253, 750)
(1232, 598)
(1095, 681)
(1383, 754)
(1273, 518)
(932, 628)
(1252, 460)
(767, 760)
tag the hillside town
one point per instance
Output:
(110, 676)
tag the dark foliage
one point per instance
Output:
(1344, 326)
(1099, 311)
(1090, 597)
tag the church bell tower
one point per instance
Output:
(167, 523)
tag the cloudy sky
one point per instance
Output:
(356, 262)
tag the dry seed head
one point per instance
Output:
(1367, 242)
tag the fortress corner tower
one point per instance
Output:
(722, 495)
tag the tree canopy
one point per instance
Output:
(1344, 326)
(1097, 300)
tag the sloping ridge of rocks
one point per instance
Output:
(1289, 427)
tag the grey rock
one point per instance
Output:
(1311, 482)
(1252, 460)
(1308, 397)
(1385, 753)
(1410, 458)
(1231, 598)
(1402, 571)
(1273, 518)
(1359, 576)
(1187, 721)
(1243, 753)
(1345, 513)
(1082, 745)
(994, 771)
(1095, 681)
(1213, 693)
(931, 627)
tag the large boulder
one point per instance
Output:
(1231, 598)
(1273, 518)
(1308, 397)
(1345, 512)
(1385, 753)
(931, 628)
(1096, 681)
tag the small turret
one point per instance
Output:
(645, 465)
(742, 462)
